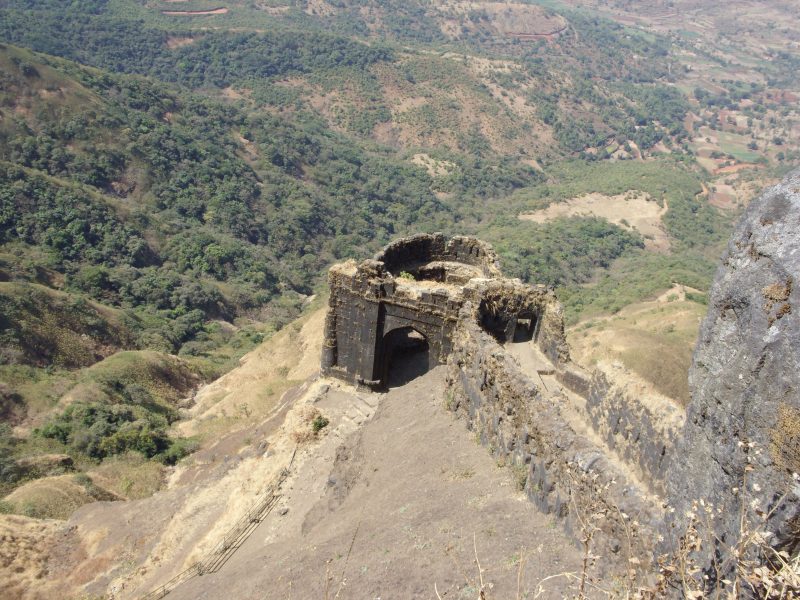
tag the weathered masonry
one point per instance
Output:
(509, 376)
(582, 443)
(410, 297)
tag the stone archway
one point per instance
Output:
(406, 356)
(516, 324)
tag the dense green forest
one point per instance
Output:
(121, 191)
(628, 102)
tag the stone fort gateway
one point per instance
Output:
(576, 442)
(410, 299)
(433, 300)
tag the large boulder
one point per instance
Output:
(745, 383)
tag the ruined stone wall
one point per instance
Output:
(641, 435)
(366, 304)
(512, 297)
(560, 471)
(466, 325)
(350, 326)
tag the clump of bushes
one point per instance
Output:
(100, 430)
(319, 423)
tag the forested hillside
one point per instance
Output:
(174, 212)
(174, 185)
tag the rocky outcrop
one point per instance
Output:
(745, 382)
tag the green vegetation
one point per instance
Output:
(124, 403)
(99, 431)
(635, 278)
(319, 423)
(9, 470)
(561, 252)
(208, 215)
(44, 327)
(128, 45)
(176, 194)
(568, 252)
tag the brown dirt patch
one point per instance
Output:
(191, 13)
(785, 439)
(318, 8)
(723, 196)
(254, 388)
(633, 210)
(513, 19)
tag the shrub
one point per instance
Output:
(9, 469)
(319, 423)
(99, 430)
(178, 449)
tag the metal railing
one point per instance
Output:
(232, 540)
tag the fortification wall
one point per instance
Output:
(407, 253)
(560, 471)
(640, 433)
(470, 316)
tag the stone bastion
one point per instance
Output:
(411, 297)
(573, 441)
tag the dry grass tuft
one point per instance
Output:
(312, 423)
(778, 292)
(747, 566)
(23, 553)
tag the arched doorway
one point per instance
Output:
(508, 324)
(406, 356)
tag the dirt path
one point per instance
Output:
(392, 509)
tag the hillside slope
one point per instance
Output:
(174, 197)
(402, 517)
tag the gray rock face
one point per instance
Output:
(745, 379)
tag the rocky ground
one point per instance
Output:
(393, 498)
(401, 506)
